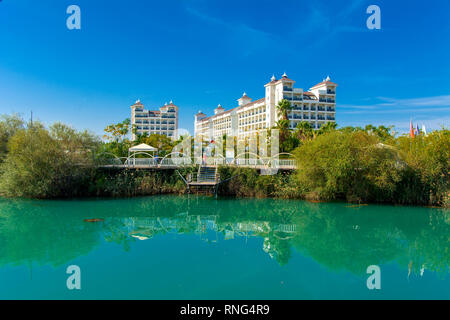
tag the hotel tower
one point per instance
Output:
(163, 121)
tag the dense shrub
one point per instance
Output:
(45, 163)
(9, 125)
(128, 183)
(427, 177)
(357, 166)
(247, 182)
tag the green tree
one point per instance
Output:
(427, 178)
(283, 108)
(117, 132)
(382, 132)
(304, 131)
(327, 127)
(163, 143)
(9, 125)
(349, 165)
(47, 164)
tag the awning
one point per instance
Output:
(142, 147)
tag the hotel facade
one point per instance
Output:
(163, 121)
(316, 106)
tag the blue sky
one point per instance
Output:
(202, 53)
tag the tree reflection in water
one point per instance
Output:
(336, 235)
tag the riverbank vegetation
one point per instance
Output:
(371, 164)
(367, 166)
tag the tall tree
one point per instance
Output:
(283, 107)
(9, 125)
(327, 127)
(117, 132)
(304, 131)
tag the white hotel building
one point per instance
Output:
(317, 106)
(163, 121)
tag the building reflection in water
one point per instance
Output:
(144, 228)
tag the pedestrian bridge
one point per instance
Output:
(142, 160)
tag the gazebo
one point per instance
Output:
(144, 148)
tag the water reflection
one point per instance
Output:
(338, 236)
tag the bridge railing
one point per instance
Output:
(283, 163)
(179, 162)
(150, 162)
(170, 162)
(244, 162)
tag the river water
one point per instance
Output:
(188, 247)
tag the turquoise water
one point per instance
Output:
(170, 247)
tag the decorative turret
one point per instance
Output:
(244, 100)
(219, 109)
(284, 78)
(325, 83)
(199, 116)
(137, 105)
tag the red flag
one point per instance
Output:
(411, 131)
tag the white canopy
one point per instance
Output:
(142, 147)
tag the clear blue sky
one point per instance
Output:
(202, 53)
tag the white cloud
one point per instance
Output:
(424, 104)
(434, 112)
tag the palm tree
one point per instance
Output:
(283, 107)
(282, 124)
(304, 131)
(327, 127)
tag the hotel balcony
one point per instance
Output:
(329, 109)
(287, 89)
(327, 100)
(331, 118)
(331, 92)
